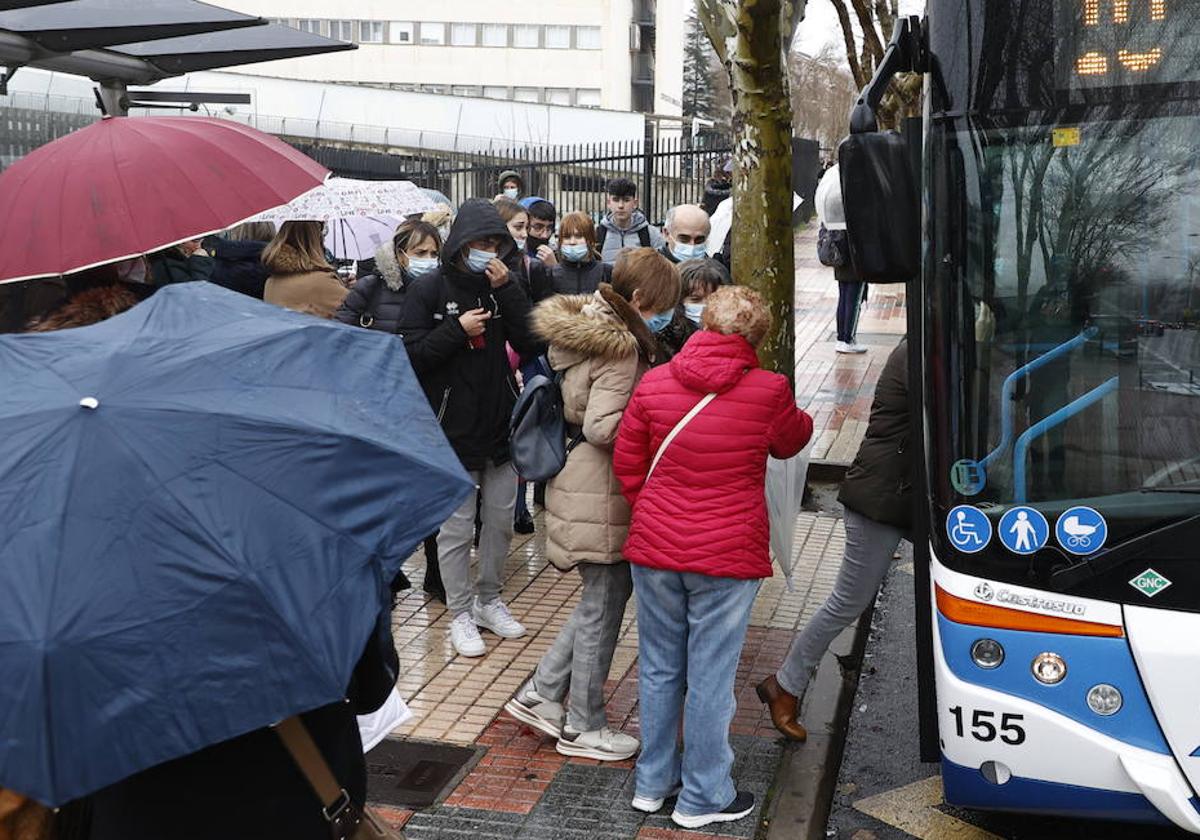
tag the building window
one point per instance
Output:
(495, 34)
(311, 25)
(341, 30)
(463, 34)
(370, 31)
(526, 94)
(587, 97)
(526, 36)
(558, 96)
(558, 37)
(464, 90)
(495, 92)
(433, 34)
(587, 37)
(439, 89)
(402, 33)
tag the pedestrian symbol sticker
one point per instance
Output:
(1024, 530)
(969, 529)
(1082, 531)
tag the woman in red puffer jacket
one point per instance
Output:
(699, 543)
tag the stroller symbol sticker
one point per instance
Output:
(1081, 531)
(1024, 530)
(969, 529)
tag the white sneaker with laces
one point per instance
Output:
(849, 347)
(464, 635)
(652, 806)
(601, 744)
(536, 711)
(496, 617)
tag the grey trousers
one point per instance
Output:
(581, 656)
(498, 484)
(869, 549)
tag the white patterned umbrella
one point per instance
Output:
(341, 198)
(359, 237)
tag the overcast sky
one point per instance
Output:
(821, 26)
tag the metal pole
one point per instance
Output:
(648, 171)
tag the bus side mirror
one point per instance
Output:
(883, 212)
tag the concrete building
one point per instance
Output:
(621, 55)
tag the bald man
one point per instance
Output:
(686, 233)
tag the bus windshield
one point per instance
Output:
(1065, 358)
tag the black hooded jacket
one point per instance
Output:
(471, 391)
(238, 265)
(579, 278)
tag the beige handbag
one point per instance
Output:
(346, 822)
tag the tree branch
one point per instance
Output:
(866, 20)
(851, 48)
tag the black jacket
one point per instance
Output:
(674, 335)
(471, 391)
(377, 300)
(238, 265)
(714, 193)
(583, 278)
(171, 266)
(879, 482)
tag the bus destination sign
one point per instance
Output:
(1128, 43)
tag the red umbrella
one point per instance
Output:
(130, 186)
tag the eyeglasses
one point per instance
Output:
(541, 229)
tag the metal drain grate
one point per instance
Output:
(414, 774)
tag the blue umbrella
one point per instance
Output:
(202, 501)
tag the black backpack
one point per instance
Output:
(602, 234)
(537, 433)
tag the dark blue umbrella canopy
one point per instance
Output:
(203, 500)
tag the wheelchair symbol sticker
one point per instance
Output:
(1082, 531)
(969, 529)
(1024, 530)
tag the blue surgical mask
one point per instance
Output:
(575, 253)
(477, 261)
(658, 323)
(512, 192)
(693, 311)
(683, 253)
(420, 266)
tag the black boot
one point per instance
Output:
(433, 572)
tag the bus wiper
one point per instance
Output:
(1121, 553)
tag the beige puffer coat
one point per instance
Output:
(602, 346)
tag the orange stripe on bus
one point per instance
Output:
(988, 615)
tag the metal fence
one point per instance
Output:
(668, 171)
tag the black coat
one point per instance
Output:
(377, 300)
(471, 391)
(582, 278)
(879, 483)
(238, 265)
(249, 788)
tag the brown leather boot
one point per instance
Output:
(783, 709)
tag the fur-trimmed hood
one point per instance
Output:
(602, 325)
(387, 266)
(86, 308)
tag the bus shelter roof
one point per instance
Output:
(89, 24)
(190, 54)
(9, 5)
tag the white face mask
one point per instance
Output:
(693, 311)
(521, 243)
(420, 266)
(511, 192)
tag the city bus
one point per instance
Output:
(1056, 395)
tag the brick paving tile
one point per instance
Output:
(521, 787)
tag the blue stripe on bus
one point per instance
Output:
(1090, 660)
(967, 788)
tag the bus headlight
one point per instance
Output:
(1049, 668)
(987, 653)
(1105, 699)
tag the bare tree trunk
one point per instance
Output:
(751, 37)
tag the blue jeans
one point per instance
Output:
(850, 299)
(690, 633)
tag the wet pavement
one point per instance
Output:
(515, 785)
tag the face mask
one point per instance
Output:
(521, 244)
(693, 311)
(575, 253)
(535, 242)
(132, 271)
(659, 322)
(420, 266)
(512, 192)
(683, 253)
(477, 261)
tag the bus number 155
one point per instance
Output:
(984, 728)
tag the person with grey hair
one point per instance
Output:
(685, 233)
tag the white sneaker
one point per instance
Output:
(601, 744)
(496, 617)
(849, 347)
(464, 635)
(652, 806)
(532, 709)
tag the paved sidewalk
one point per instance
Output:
(520, 786)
